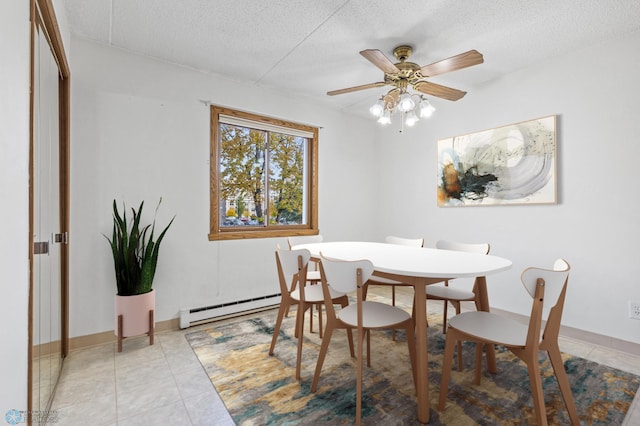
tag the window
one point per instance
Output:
(264, 176)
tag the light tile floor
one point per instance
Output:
(165, 384)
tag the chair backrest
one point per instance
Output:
(292, 266)
(414, 242)
(547, 288)
(480, 248)
(554, 282)
(304, 239)
(342, 275)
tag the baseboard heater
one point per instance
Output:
(195, 316)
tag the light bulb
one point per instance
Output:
(377, 109)
(385, 118)
(426, 109)
(406, 103)
(411, 119)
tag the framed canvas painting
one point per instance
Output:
(514, 164)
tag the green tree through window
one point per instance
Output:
(264, 171)
(286, 154)
(242, 166)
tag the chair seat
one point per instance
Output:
(491, 327)
(380, 280)
(313, 275)
(313, 294)
(450, 293)
(374, 315)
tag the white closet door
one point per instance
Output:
(47, 320)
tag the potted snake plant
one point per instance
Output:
(135, 256)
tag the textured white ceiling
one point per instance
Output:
(308, 47)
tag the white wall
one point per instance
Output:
(14, 193)
(138, 133)
(595, 224)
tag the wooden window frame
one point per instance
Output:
(216, 232)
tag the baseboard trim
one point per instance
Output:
(97, 339)
(83, 342)
(46, 349)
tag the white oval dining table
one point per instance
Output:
(419, 267)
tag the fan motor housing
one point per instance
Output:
(403, 52)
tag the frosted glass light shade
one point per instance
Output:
(377, 109)
(406, 103)
(426, 109)
(385, 118)
(411, 119)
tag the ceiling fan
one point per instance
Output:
(405, 74)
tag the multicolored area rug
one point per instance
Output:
(262, 390)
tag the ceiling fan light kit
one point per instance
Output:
(412, 107)
(405, 75)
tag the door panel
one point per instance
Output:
(47, 320)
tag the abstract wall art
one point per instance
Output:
(514, 164)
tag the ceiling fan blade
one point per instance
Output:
(356, 88)
(439, 91)
(378, 59)
(457, 62)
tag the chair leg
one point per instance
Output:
(323, 353)
(282, 311)
(295, 328)
(456, 304)
(319, 308)
(344, 302)
(411, 343)
(310, 318)
(350, 340)
(447, 361)
(361, 333)
(535, 381)
(478, 373)
(444, 317)
(393, 303)
(293, 287)
(368, 332)
(563, 383)
(300, 328)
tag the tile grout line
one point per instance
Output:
(173, 376)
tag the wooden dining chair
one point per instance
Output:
(292, 268)
(413, 242)
(362, 316)
(313, 274)
(458, 292)
(547, 288)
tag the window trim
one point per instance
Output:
(216, 232)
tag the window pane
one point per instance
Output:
(264, 176)
(242, 176)
(287, 179)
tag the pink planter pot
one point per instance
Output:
(135, 313)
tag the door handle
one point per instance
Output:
(41, 247)
(61, 238)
